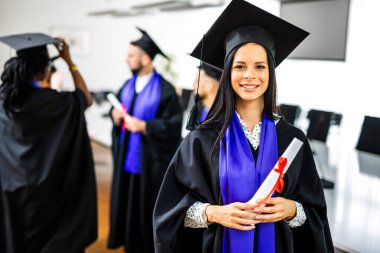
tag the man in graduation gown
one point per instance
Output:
(143, 145)
(47, 180)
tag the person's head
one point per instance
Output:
(19, 73)
(248, 43)
(31, 63)
(138, 60)
(208, 77)
(36, 61)
(206, 83)
(141, 54)
(249, 77)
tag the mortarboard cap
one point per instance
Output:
(211, 70)
(148, 45)
(242, 22)
(29, 42)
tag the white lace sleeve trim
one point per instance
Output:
(300, 218)
(195, 216)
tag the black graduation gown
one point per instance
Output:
(47, 180)
(190, 178)
(133, 196)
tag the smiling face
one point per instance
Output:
(250, 73)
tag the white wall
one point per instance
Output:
(104, 67)
(350, 87)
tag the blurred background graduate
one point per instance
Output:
(202, 205)
(47, 182)
(142, 147)
(208, 78)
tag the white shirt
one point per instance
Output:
(142, 81)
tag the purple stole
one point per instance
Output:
(36, 84)
(240, 177)
(203, 114)
(145, 108)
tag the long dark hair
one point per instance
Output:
(17, 78)
(221, 112)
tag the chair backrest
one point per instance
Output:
(100, 96)
(319, 126)
(336, 119)
(290, 112)
(369, 139)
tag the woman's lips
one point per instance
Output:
(249, 87)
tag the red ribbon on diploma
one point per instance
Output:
(279, 186)
(124, 124)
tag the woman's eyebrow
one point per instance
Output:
(258, 62)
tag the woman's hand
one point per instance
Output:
(276, 209)
(64, 51)
(235, 215)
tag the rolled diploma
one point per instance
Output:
(269, 182)
(116, 103)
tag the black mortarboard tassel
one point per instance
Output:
(193, 122)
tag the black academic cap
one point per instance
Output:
(242, 22)
(148, 45)
(211, 70)
(28, 42)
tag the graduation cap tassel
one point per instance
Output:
(192, 122)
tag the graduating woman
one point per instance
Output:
(202, 205)
(47, 181)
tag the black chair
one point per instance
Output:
(319, 126)
(336, 119)
(320, 122)
(290, 112)
(369, 139)
(100, 96)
